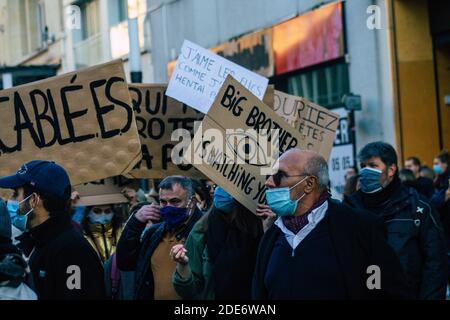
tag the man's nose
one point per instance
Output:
(270, 183)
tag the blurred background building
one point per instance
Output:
(390, 58)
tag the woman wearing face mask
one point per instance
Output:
(102, 226)
(218, 258)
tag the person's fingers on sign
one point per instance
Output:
(129, 193)
(264, 211)
(149, 214)
(178, 254)
(75, 196)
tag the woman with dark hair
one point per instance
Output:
(204, 199)
(102, 227)
(218, 258)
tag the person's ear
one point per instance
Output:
(391, 170)
(35, 200)
(310, 184)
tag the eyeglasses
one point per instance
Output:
(99, 211)
(280, 175)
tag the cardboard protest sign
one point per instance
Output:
(104, 191)
(199, 75)
(315, 123)
(235, 123)
(157, 116)
(82, 120)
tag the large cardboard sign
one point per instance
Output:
(157, 116)
(82, 120)
(104, 191)
(316, 124)
(238, 119)
(199, 75)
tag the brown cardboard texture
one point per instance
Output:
(104, 191)
(81, 120)
(317, 124)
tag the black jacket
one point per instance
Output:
(359, 242)
(415, 234)
(135, 249)
(60, 258)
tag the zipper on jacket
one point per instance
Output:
(105, 243)
(415, 221)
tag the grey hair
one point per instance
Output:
(184, 182)
(318, 167)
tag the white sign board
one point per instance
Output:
(199, 75)
(341, 157)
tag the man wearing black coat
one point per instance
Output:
(414, 229)
(63, 264)
(145, 243)
(320, 249)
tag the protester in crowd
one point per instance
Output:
(440, 196)
(319, 248)
(414, 229)
(103, 225)
(12, 207)
(351, 185)
(407, 177)
(133, 196)
(427, 172)
(423, 185)
(210, 186)
(351, 172)
(148, 253)
(63, 264)
(15, 279)
(219, 257)
(204, 199)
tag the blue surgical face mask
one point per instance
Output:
(13, 207)
(78, 213)
(280, 202)
(102, 218)
(20, 220)
(223, 201)
(437, 169)
(173, 216)
(369, 180)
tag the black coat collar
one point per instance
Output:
(50, 229)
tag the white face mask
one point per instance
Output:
(102, 218)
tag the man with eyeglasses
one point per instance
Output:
(62, 263)
(148, 253)
(318, 248)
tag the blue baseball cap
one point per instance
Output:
(44, 176)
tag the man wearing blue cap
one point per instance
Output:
(63, 264)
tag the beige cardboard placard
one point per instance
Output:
(157, 116)
(82, 120)
(237, 108)
(104, 191)
(317, 124)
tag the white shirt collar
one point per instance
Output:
(313, 219)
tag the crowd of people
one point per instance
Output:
(192, 240)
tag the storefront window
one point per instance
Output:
(324, 86)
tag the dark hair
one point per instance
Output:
(185, 183)
(202, 191)
(444, 156)
(381, 150)
(415, 160)
(116, 222)
(53, 204)
(350, 185)
(406, 175)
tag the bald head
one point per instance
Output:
(297, 161)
